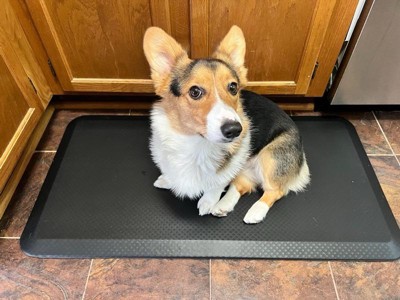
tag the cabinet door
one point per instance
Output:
(97, 45)
(20, 110)
(283, 38)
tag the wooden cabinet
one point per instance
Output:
(97, 45)
(283, 38)
(24, 93)
(20, 109)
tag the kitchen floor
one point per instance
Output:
(22, 277)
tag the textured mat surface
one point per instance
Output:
(98, 200)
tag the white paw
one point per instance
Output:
(206, 203)
(227, 203)
(162, 183)
(256, 213)
(221, 209)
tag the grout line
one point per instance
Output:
(333, 279)
(45, 151)
(384, 135)
(210, 277)
(87, 279)
(9, 237)
(380, 154)
(129, 112)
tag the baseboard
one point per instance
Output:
(23, 161)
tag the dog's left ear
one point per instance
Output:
(232, 50)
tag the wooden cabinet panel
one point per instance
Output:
(19, 113)
(14, 41)
(97, 45)
(283, 38)
(13, 107)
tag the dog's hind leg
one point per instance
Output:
(259, 210)
(240, 186)
(274, 183)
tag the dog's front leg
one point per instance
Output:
(208, 200)
(227, 203)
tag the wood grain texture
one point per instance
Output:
(20, 166)
(199, 28)
(13, 107)
(15, 41)
(322, 14)
(333, 41)
(97, 45)
(20, 109)
(22, 13)
(283, 38)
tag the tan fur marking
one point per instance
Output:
(243, 184)
(271, 196)
(274, 188)
(268, 168)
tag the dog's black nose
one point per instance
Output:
(231, 129)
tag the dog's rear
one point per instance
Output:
(208, 132)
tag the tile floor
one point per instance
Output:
(22, 277)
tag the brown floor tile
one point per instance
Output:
(367, 128)
(19, 209)
(23, 277)
(390, 122)
(55, 130)
(264, 279)
(387, 170)
(149, 278)
(373, 280)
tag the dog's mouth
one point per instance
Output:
(227, 141)
(220, 141)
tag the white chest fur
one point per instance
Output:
(190, 163)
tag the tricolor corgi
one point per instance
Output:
(208, 133)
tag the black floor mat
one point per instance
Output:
(98, 200)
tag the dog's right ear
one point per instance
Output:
(162, 53)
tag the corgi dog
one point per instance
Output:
(209, 133)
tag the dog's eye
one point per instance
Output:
(233, 88)
(195, 92)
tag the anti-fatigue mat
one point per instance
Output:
(98, 200)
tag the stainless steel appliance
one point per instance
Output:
(372, 75)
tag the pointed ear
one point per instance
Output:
(232, 49)
(162, 53)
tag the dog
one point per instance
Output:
(209, 133)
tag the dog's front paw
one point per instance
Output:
(162, 183)
(223, 207)
(227, 203)
(256, 213)
(205, 205)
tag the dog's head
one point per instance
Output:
(201, 96)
